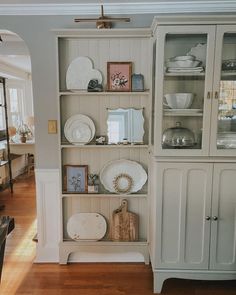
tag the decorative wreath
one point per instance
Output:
(116, 183)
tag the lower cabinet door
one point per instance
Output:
(223, 230)
(183, 215)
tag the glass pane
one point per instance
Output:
(226, 135)
(183, 89)
(13, 100)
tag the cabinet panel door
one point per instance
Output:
(175, 81)
(223, 121)
(183, 203)
(223, 238)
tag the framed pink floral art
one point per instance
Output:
(119, 76)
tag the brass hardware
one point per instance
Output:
(208, 95)
(103, 22)
(208, 218)
(216, 95)
(215, 218)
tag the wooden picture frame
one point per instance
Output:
(76, 179)
(119, 76)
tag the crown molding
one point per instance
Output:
(218, 6)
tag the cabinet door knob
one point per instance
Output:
(216, 95)
(208, 95)
(215, 218)
(208, 218)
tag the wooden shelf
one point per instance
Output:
(107, 93)
(202, 74)
(228, 73)
(104, 242)
(109, 146)
(103, 195)
(183, 113)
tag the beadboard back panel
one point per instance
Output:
(96, 107)
(135, 50)
(105, 206)
(97, 158)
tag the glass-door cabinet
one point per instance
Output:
(195, 90)
(223, 139)
(183, 90)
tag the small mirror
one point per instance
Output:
(125, 126)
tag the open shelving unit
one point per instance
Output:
(102, 46)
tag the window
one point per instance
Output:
(15, 94)
(15, 106)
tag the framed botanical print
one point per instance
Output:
(119, 76)
(76, 179)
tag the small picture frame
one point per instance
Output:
(137, 82)
(76, 179)
(119, 76)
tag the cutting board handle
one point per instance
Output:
(123, 207)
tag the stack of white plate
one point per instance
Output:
(79, 129)
(183, 63)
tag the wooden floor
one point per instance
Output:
(21, 276)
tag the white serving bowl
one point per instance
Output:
(179, 100)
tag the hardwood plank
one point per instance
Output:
(21, 276)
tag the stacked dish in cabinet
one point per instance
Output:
(104, 140)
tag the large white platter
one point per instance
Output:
(118, 167)
(79, 129)
(86, 226)
(80, 72)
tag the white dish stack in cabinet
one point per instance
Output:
(193, 213)
(102, 46)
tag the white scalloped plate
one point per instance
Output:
(86, 226)
(131, 168)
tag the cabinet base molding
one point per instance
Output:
(159, 276)
(106, 251)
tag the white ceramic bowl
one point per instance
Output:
(179, 100)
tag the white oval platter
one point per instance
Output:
(115, 168)
(86, 226)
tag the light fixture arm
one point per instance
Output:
(103, 22)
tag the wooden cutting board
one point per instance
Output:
(124, 224)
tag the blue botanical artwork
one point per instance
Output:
(76, 179)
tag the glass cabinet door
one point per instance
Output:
(224, 95)
(185, 99)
